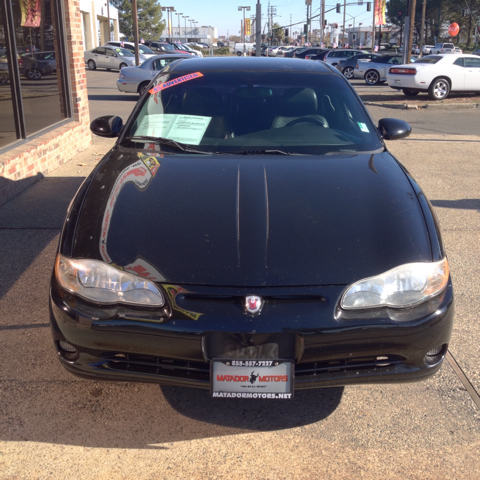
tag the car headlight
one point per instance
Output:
(403, 286)
(100, 282)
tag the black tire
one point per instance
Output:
(122, 65)
(91, 65)
(372, 77)
(142, 87)
(3, 81)
(239, 54)
(348, 72)
(410, 93)
(439, 89)
(34, 74)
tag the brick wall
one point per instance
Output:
(27, 163)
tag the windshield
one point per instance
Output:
(146, 50)
(237, 112)
(123, 52)
(429, 59)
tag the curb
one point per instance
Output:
(435, 106)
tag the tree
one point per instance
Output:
(150, 24)
(278, 32)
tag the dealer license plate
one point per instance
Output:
(265, 379)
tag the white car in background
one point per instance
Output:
(111, 58)
(443, 48)
(427, 49)
(137, 79)
(437, 75)
(375, 71)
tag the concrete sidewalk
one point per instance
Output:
(54, 425)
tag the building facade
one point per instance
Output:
(186, 34)
(44, 116)
(97, 15)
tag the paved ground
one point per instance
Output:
(53, 425)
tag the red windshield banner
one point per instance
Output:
(175, 81)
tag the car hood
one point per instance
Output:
(251, 220)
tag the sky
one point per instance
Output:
(224, 14)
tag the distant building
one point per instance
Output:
(193, 34)
(95, 31)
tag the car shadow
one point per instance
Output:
(113, 98)
(462, 204)
(307, 406)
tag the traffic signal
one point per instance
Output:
(286, 32)
(338, 8)
(305, 28)
(369, 6)
(325, 23)
(399, 15)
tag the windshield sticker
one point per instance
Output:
(182, 128)
(175, 81)
(363, 127)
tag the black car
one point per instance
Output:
(476, 52)
(290, 53)
(347, 66)
(317, 55)
(307, 51)
(251, 234)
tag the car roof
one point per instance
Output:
(243, 64)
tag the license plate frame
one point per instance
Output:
(252, 379)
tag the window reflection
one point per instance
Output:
(7, 119)
(36, 47)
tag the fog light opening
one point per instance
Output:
(435, 355)
(69, 348)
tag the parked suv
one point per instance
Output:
(443, 48)
(336, 55)
(160, 47)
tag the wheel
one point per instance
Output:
(91, 65)
(239, 54)
(122, 65)
(409, 93)
(142, 87)
(307, 120)
(348, 72)
(34, 74)
(3, 81)
(108, 69)
(439, 89)
(372, 77)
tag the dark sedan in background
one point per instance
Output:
(347, 66)
(251, 234)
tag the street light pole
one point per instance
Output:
(169, 25)
(179, 15)
(185, 17)
(247, 9)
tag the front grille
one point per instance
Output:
(147, 364)
(347, 365)
(200, 371)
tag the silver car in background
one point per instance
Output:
(111, 58)
(137, 79)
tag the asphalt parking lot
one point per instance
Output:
(54, 425)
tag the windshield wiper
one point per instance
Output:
(169, 142)
(268, 152)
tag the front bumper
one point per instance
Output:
(126, 86)
(330, 347)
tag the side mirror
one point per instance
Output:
(393, 128)
(107, 126)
